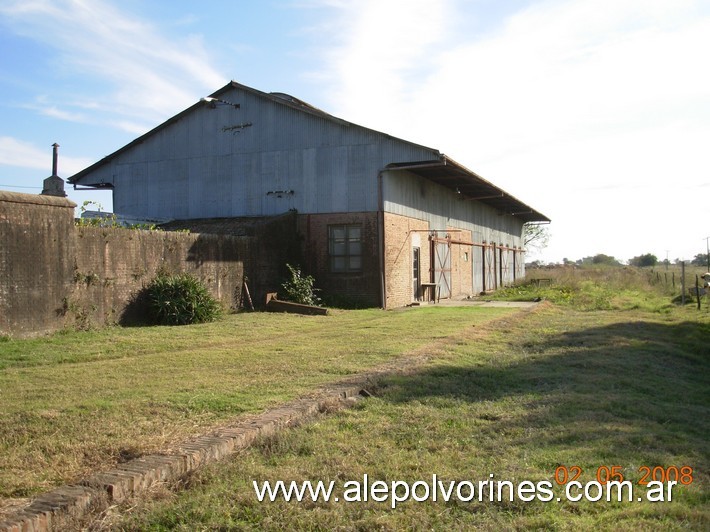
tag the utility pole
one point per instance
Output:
(667, 258)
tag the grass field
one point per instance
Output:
(78, 402)
(574, 383)
(655, 290)
(608, 372)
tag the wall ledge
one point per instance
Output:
(36, 199)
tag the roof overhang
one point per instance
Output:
(470, 187)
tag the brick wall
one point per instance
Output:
(275, 242)
(402, 234)
(461, 260)
(362, 287)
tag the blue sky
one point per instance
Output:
(595, 112)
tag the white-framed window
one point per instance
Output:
(345, 248)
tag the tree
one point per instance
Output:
(701, 259)
(599, 260)
(644, 260)
(536, 236)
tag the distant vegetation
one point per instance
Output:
(644, 260)
(604, 286)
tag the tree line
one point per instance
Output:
(645, 260)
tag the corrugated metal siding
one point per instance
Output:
(224, 161)
(409, 195)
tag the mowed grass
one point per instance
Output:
(558, 386)
(78, 402)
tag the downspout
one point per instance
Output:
(381, 238)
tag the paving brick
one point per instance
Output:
(133, 477)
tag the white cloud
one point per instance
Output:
(380, 47)
(21, 154)
(141, 73)
(559, 98)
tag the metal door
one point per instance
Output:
(441, 259)
(490, 267)
(519, 264)
(504, 267)
(477, 259)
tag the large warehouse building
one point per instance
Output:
(380, 219)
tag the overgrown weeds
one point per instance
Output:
(607, 288)
(300, 288)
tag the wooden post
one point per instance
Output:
(697, 290)
(246, 291)
(682, 282)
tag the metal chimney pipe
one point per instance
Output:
(55, 157)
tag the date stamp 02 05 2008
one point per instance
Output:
(682, 475)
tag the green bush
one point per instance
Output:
(299, 288)
(180, 299)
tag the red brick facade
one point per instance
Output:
(401, 236)
(362, 287)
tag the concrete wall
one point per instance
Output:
(54, 274)
(112, 265)
(37, 242)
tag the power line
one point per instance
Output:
(17, 186)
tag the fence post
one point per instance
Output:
(682, 282)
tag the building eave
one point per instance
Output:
(470, 187)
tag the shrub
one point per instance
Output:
(180, 299)
(299, 288)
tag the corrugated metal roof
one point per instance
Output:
(471, 186)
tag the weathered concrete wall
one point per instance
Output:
(274, 242)
(36, 261)
(54, 274)
(112, 265)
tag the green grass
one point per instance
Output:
(606, 288)
(563, 385)
(77, 402)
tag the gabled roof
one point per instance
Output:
(443, 170)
